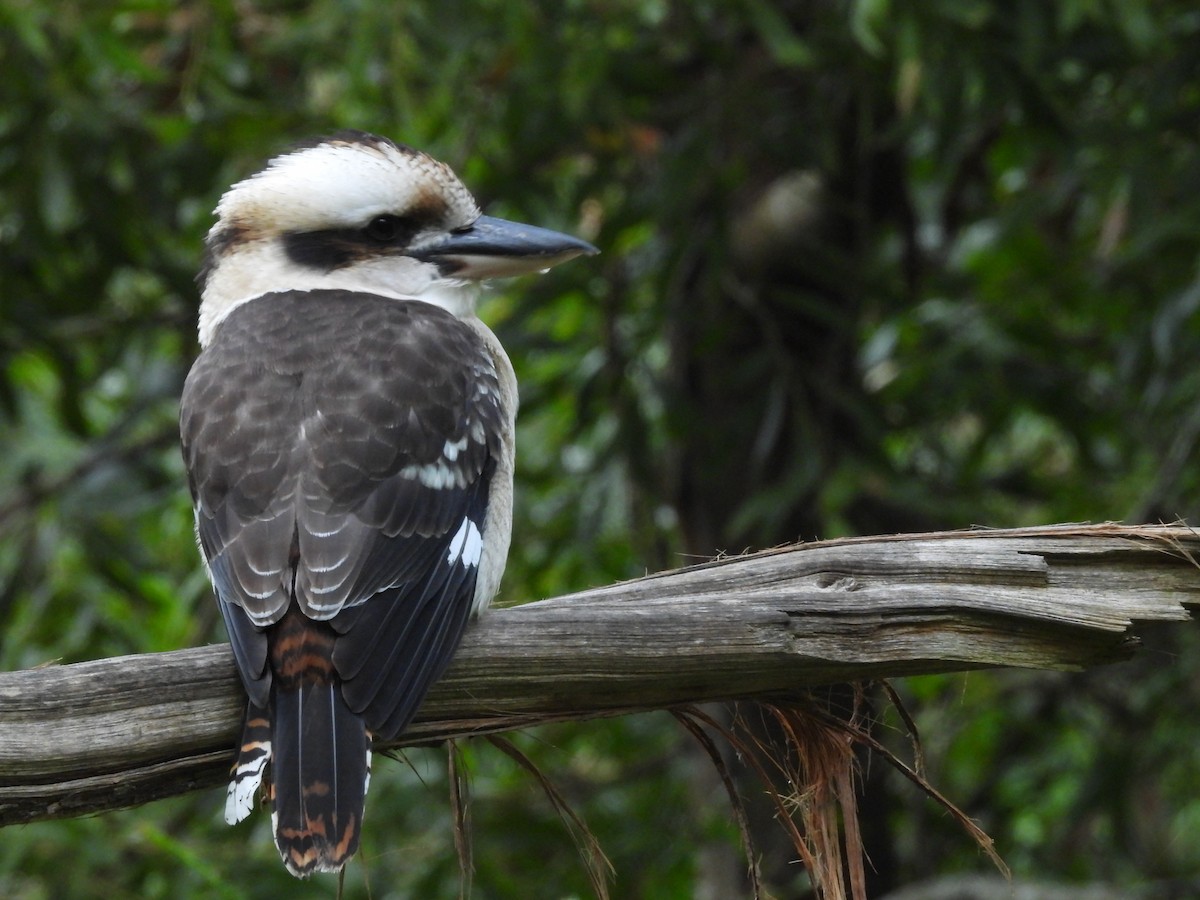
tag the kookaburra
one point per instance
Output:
(348, 436)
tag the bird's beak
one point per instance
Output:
(498, 248)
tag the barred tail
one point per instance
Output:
(320, 769)
(254, 753)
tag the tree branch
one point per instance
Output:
(117, 732)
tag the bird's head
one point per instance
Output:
(358, 212)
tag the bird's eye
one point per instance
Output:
(385, 229)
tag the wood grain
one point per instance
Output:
(99, 735)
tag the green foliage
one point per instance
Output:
(868, 266)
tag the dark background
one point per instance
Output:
(867, 267)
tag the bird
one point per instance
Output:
(348, 434)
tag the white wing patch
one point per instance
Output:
(437, 475)
(451, 450)
(466, 546)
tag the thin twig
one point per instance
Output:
(460, 805)
(599, 868)
(685, 717)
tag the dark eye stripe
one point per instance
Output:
(390, 229)
(336, 248)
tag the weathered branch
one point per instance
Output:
(118, 732)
